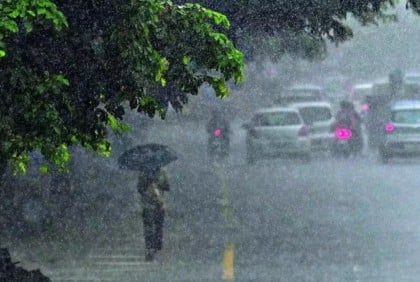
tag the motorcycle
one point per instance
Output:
(218, 144)
(345, 143)
(341, 145)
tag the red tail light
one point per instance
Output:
(365, 107)
(343, 133)
(217, 132)
(303, 131)
(389, 127)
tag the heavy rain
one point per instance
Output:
(307, 170)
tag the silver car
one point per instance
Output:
(277, 131)
(402, 131)
(318, 116)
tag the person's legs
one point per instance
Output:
(159, 221)
(148, 232)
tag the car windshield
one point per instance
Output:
(276, 119)
(406, 116)
(304, 94)
(314, 114)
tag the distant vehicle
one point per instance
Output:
(341, 146)
(301, 93)
(318, 116)
(412, 77)
(401, 131)
(345, 143)
(278, 131)
(378, 107)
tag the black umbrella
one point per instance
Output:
(147, 157)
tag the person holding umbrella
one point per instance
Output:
(153, 182)
(151, 185)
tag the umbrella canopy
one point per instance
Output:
(147, 157)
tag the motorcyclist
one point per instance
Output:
(218, 128)
(347, 117)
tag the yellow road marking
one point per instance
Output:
(228, 260)
(229, 253)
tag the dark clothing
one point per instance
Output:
(151, 187)
(348, 119)
(153, 228)
(218, 123)
(218, 146)
(219, 141)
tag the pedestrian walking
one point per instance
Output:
(149, 159)
(152, 185)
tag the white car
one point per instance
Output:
(277, 131)
(318, 116)
(412, 77)
(402, 131)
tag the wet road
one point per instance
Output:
(329, 221)
(276, 220)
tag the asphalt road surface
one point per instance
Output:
(275, 220)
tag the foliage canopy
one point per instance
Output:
(69, 68)
(300, 27)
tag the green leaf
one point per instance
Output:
(74, 139)
(186, 60)
(10, 25)
(61, 79)
(56, 129)
(219, 86)
(116, 126)
(44, 168)
(14, 14)
(22, 167)
(28, 27)
(104, 148)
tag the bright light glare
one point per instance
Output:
(343, 133)
(217, 132)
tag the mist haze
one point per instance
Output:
(278, 219)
